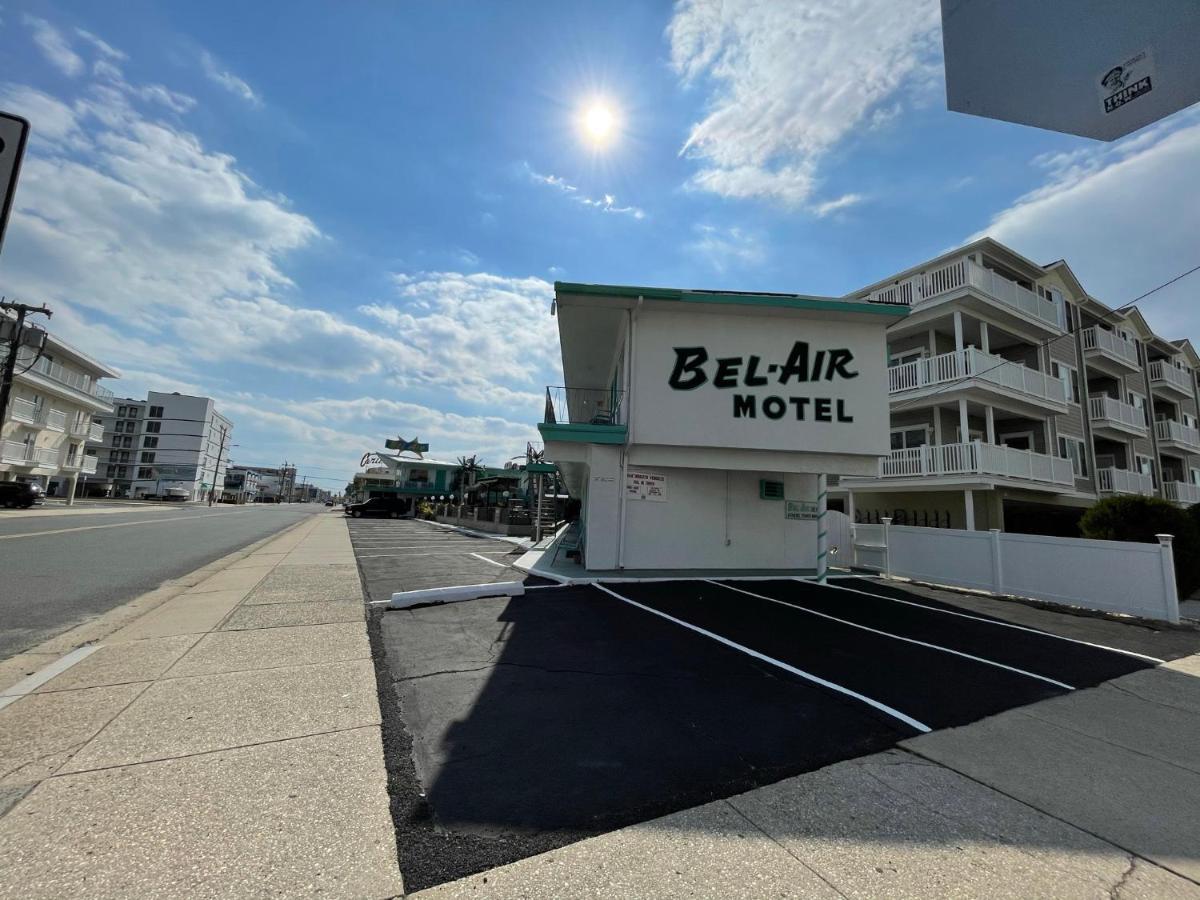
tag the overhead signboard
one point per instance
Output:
(14, 134)
(1096, 68)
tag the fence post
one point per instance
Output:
(1170, 594)
(887, 546)
(997, 562)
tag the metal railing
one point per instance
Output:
(973, 363)
(584, 406)
(976, 458)
(1104, 410)
(1181, 492)
(1121, 481)
(22, 454)
(961, 273)
(1101, 340)
(1170, 430)
(1163, 373)
(58, 372)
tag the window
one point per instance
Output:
(126, 441)
(1189, 420)
(150, 442)
(133, 411)
(145, 473)
(122, 471)
(123, 456)
(1070, 379)
(156, 412)
(1145, 465)
(1072, 315)
(908, 438)
(1019, 440)
(110, 470)
(116, 440)
(904, 356)
(421, 475)
(153, 427)
(1072, 449)
(1137, 401)
(147, 457)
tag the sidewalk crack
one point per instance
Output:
(770, 837)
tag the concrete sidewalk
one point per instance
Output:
(224, 744)
(1093, 794)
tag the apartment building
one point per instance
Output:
(1017, 399)
(55, 399)
(243, 484)
(172, 446)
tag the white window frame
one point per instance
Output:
(1138, 459)
(1016, 434)
(901, 430)
(1189, 420)
(1070, 385)
(1194, 475)
(1079, 464)
(895, 360)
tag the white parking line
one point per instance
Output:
(808, 676)
(492, 561)
(896, 637)
(1002, 624)
(419, 555)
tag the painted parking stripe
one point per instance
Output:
(492, 561)
(897, 637)
(418, 556)
(808, 676)
(1000, 623)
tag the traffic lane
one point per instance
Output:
(539, 720)
(25, 521)
(937, 688)
(52, 582)
(1076, 664)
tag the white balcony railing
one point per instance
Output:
(95, 432)
(1182, 492)
(1104, 410)
(1177, 432)
(1164, 374)
(90, 464)
(1109, 343)
(56, 420)
(972, 363)
(58, 372)
(1119, 481)
(21, 454)
(976, 458)
(962, 273)
(22, 410)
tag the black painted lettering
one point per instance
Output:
(688, 361)
(801, 403)
(774, 407)
(797, 364)
(727, 372)
(822, 409)
(753, 379)
(837, 364)
(841, 412)
(818, 364)
(743, 406)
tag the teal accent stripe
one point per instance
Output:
(782, 301)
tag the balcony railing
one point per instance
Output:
(1119, 481)
(1177, 432)
(1163, 374)
(961, 273)
(972, 363)
(584, 406)
(61, 374)
(90, 464)
(1182, 492)
(976, 458)
(1109, 343)
(18, 453)
(22, 410)
(95, 432)
(1104, 410)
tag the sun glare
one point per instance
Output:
(599, 123)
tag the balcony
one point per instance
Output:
(95, 432)
(1108, 351)
(1168, 431)
(965, 273)
(979, 370)
(1110, 414)
(27, 412)
(976, 458)
(1165, 376)
(1119, 481)
(1181, 492)
(60, 374)
(18, 453)
(590, 415)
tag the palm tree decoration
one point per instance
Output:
(467, 466)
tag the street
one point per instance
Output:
(59, 570)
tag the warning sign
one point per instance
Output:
(645, 486)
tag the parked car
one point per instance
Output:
(329, 503)
(22, 494)
(395, 507)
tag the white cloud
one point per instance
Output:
(105, 48)
(54, 46)
(1124, 216)
(723, 248)
(226, 79)
(821, 210)
(606, 202)
(792, 80)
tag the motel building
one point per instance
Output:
(388, 475)
(696, 427)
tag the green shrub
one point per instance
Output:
(425, 510)
(1140, 519)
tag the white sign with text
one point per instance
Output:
(645, 486)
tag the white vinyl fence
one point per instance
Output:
(1111, 576)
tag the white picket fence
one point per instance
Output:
(1110, 576)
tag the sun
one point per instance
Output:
(599, 123)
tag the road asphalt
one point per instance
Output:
(59, 569)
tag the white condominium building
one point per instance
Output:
(1017, 399)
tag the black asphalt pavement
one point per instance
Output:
(57, 571)
(513, 726)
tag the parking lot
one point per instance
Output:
(513, 726)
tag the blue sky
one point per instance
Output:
(343, 221)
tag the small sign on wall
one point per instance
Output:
(800, 509)
(645, 486)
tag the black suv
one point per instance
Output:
(395, 507)
(22, 494)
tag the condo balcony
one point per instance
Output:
(58, 374)
(1177, 435)
(36, 415)
(1108, 351)
(1119, 481)
(1115, 418)
(976, 458)
(1181, 492)
(989, 376)
(18, 453)
(1167, 377)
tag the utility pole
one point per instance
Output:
(217, 469)
(10, 364)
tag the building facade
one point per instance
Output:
(170, 446)
(243, 484)
(388, 475)
(1017, 399)
(55, 401)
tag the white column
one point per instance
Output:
(822, 534)
(969, 501)
(990, 416)
(937, 425)
(71, 489)
(932, 342)
(997, 562)
(983, 337)
(1049, 450)
(958, 329)
(964, 430)
(1170, 594)
(850, 506)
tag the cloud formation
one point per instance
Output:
(54, 46)
(606, 202)
(219, 75)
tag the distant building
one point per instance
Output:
(385, 475)
(55, 398)
(242, 485)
